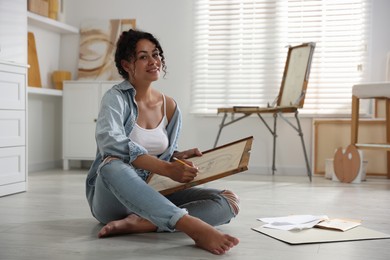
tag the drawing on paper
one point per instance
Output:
(218, 162)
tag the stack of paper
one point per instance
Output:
(293, 222)
(300, 222)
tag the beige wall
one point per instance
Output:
(330, 134)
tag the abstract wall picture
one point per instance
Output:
(97, 48)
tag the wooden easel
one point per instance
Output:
(291, 97)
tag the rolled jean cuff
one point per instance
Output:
(171, 227)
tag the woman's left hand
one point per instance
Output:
(187, 153)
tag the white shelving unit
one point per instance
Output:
(44, 91)
(51, 26)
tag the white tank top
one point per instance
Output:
(155, 140)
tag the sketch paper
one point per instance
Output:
(293, 222)
(213, 164)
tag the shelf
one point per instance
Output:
(50, 24)
(45, 91)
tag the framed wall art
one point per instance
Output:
(97, 48)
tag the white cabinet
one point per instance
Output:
(81, 100)
(13, 80)
(13, 117)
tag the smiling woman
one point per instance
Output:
(137, 134)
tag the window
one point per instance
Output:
(240, 51)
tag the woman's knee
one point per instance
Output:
(233, 200)
(112, 165)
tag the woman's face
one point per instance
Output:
(147, 64)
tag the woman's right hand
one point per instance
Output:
(178, 170)
(182, 171)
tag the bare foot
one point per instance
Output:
(130, 224)
(206, 236)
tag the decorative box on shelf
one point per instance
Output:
(40, 7)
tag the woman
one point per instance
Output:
(136, 134)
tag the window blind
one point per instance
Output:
(240, 51)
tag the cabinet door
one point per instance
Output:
(80, 108)
(12, 128)
(12, 165)
(12, 89)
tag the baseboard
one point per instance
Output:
(42, 166)
(280, 170)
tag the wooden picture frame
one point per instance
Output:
(214, 164)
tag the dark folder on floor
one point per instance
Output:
(317, 235)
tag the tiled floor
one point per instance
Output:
(52, 220)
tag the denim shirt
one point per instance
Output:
(117, 117)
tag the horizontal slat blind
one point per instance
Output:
(239, 51)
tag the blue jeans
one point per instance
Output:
(120, 191)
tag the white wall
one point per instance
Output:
(45, 132)
(380, 44)
(13, 39)
(171, 21)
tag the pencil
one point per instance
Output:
(183, 162)
(180, 161)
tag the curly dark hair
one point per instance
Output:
(126, 49)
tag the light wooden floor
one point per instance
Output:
(52, 220)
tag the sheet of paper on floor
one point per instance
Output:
(292, 222)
